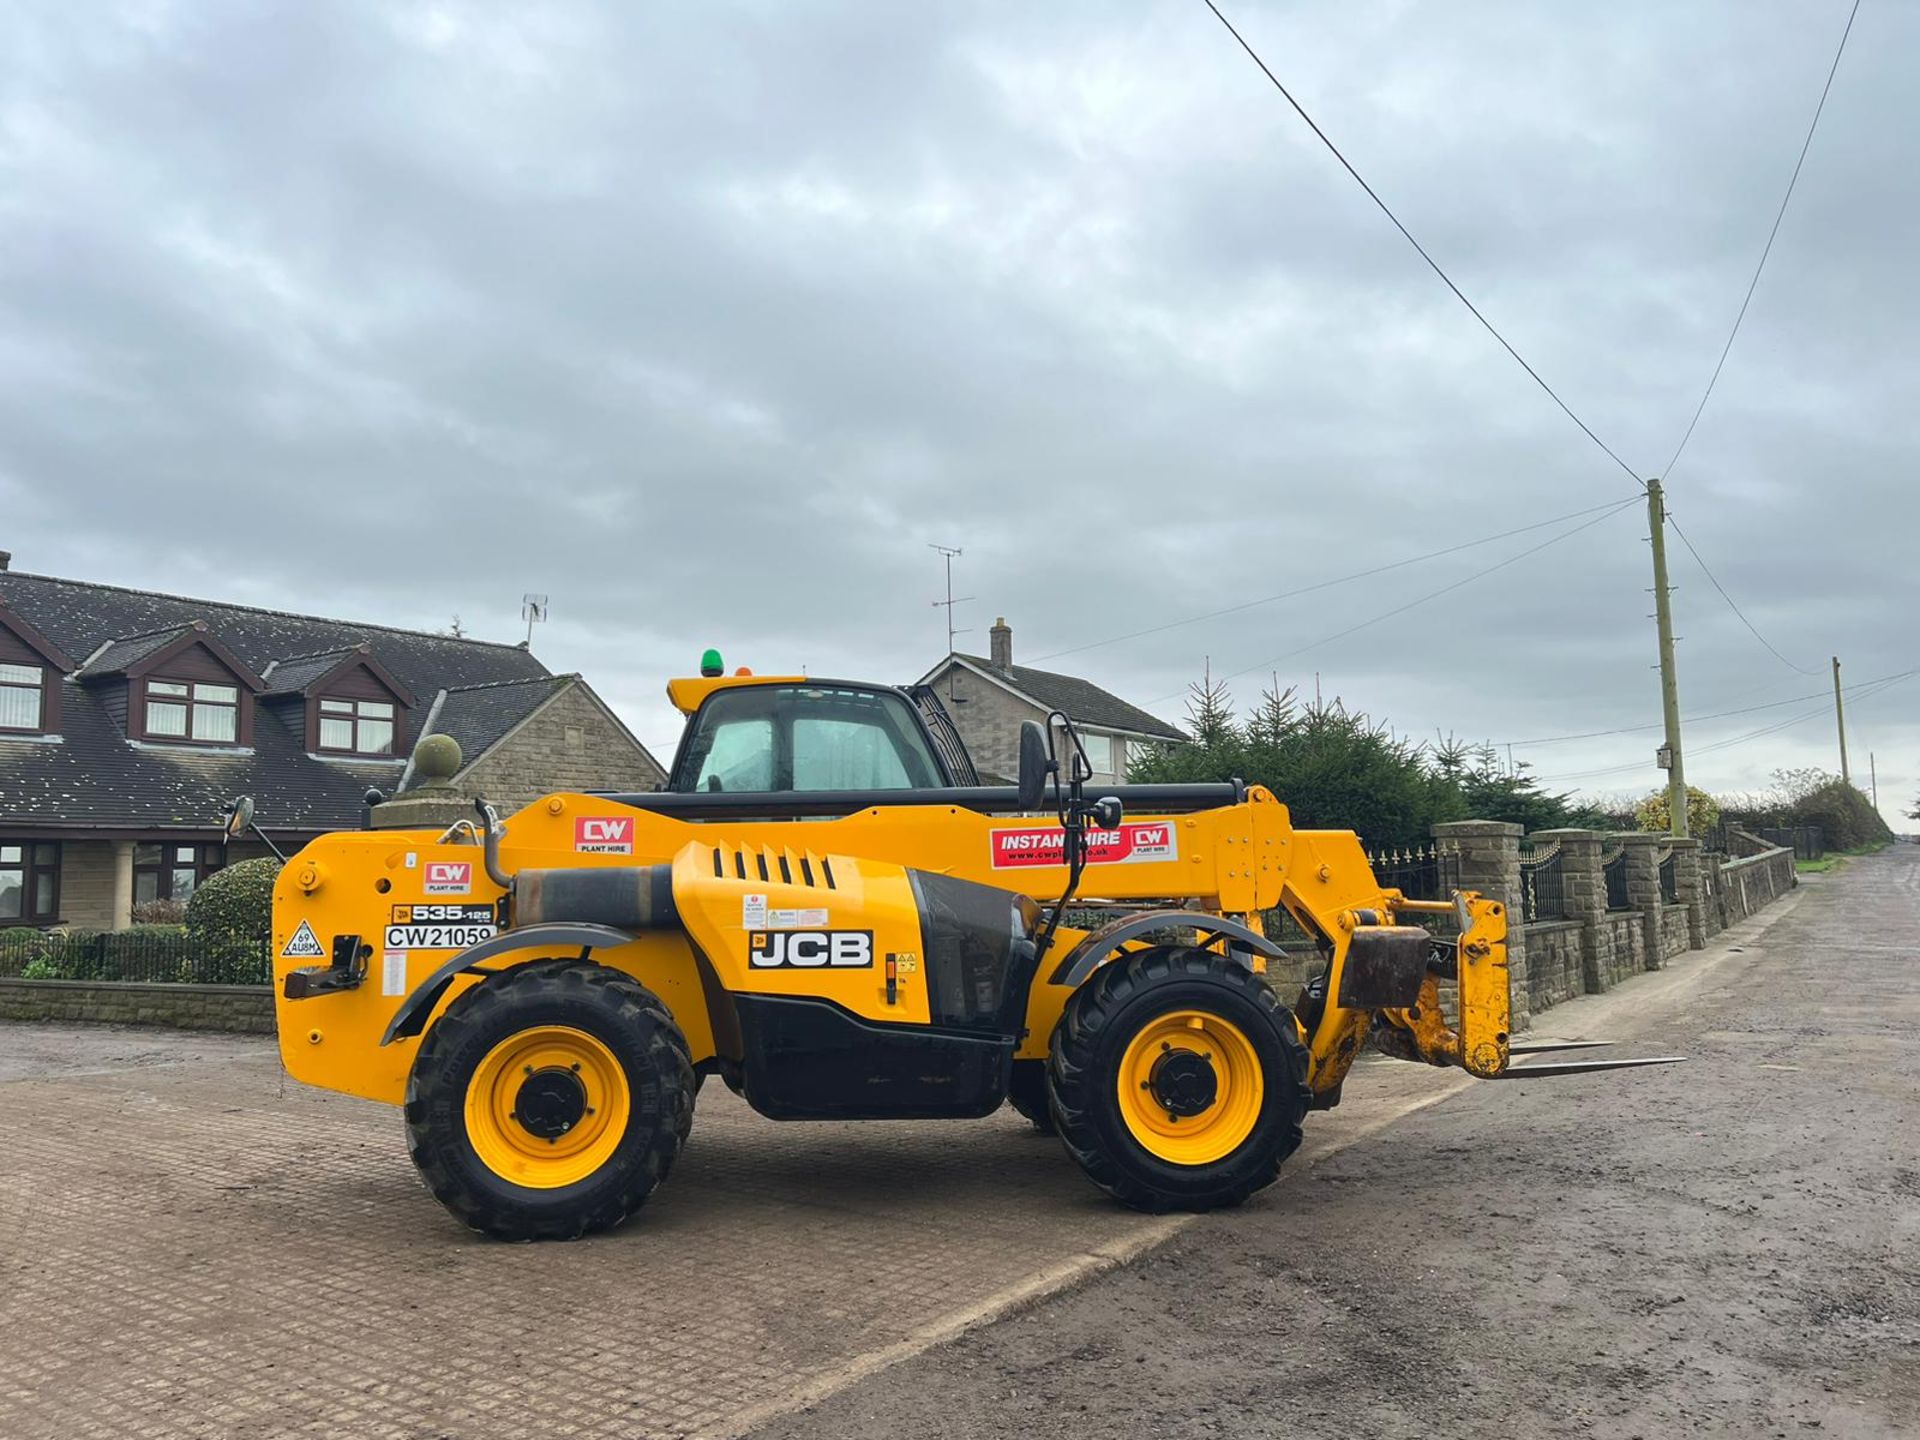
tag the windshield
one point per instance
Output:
(806, 737)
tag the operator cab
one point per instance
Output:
(784, 734)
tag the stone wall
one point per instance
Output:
(1752, 884)
(570, 743)
(1673, 931)
(988, 718)
(89, 884)
(1554, 956)
(246, 1008)
(1626, 948)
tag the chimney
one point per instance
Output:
(6, 558)
(1001, 640)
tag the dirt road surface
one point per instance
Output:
(1725, 1247)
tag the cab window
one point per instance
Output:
(795, 737)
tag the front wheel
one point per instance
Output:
(1179, 1080)
(548, 1102)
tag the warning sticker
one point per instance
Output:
(393, 972)
(1034, 845)
(753, 912)
(304, 945)
(815, 919)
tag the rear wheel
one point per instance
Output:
(1179, 1080)
(548, 1102)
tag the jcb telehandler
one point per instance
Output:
(826, 910)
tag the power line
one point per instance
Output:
(1870, 689)
(1328, 584)
(1696, 719)
(1729, 599)
(1432, 264)
(1421, 599)
(1754, 284)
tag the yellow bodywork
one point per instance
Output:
(1234, 860)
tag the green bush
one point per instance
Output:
(154, 953)
(235, 901)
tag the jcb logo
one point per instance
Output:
(603, 834)
(810, 949)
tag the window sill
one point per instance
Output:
(31, 737)
(205, 747)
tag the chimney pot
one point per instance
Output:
(6, 559)
(1001, 639)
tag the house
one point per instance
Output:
(129, 720)
(989, 698)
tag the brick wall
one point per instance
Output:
(246, 1008)
(570, 743)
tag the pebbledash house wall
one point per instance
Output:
(569, 743)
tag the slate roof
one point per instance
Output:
(96, 777)
(1085, 702)
(293, 675)
(117, 655)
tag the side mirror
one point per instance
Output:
(1107, 812)
(1035, 765)
(238, 818)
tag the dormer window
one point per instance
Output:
(22, 698)
(193, 710)
(356, 727)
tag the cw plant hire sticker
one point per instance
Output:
(1132, 844)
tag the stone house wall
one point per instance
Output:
(569, 743)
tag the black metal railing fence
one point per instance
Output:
(163, 954)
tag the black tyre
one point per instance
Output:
(1027, 1093)
(1179, 1080)
(548, 1102)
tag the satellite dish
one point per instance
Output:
(240, 817)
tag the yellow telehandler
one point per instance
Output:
(825, 909)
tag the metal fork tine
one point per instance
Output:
(1540, 1047)
(1582, 1067)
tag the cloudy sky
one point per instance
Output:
(706, 320)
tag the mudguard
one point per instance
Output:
(411, 1018)
(1086, 957)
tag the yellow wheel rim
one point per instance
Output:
(1191, 1087)
(547, 1107)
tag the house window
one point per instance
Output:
(29, 882)
(165, 871)
(20, 696)
(1099, 752)
(193, 710)
(357, 727)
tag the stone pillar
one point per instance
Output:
(1643, 892)
(1489, 858)
(432, 801)
(1690, 886)
(120, 908)
(1584, 884)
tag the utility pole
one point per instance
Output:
(1669, 675)
(1840, 719)
(1873, 775)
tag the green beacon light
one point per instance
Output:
(711, 666)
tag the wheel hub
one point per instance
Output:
(550, 1102)
(1184, 1083)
